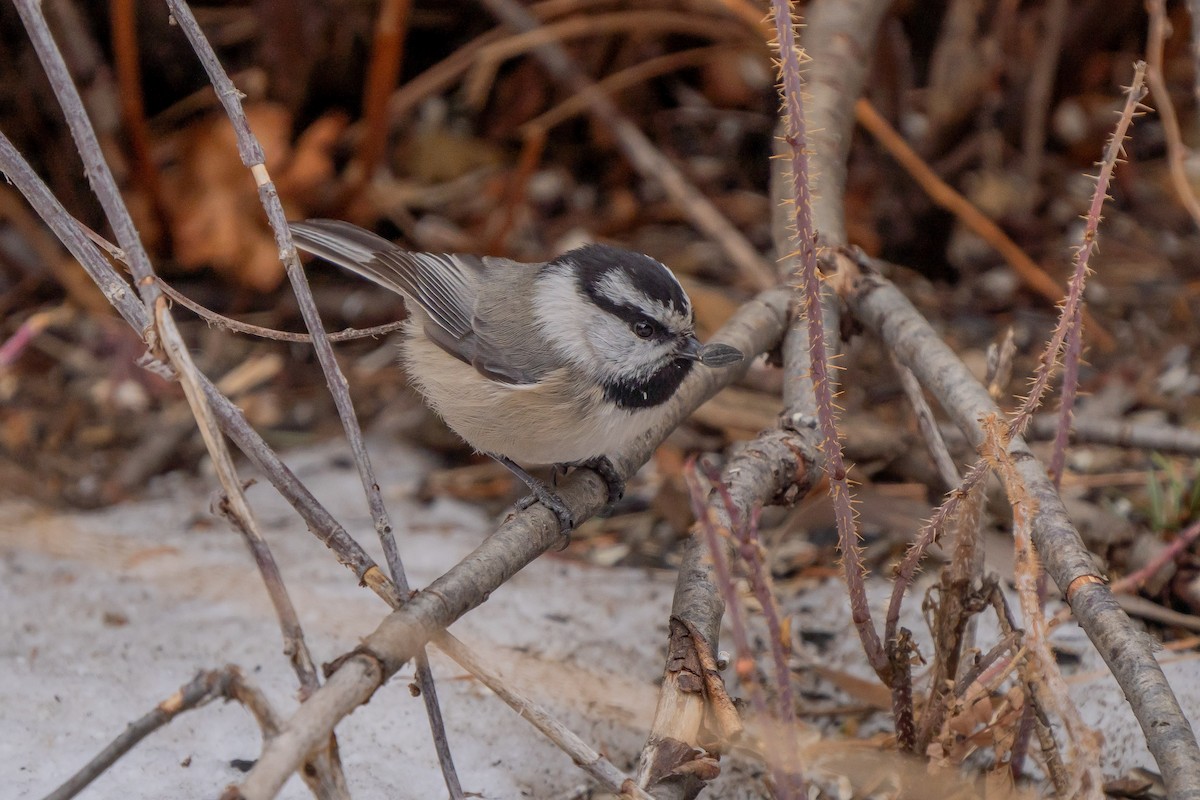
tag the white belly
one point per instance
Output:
(550, 423)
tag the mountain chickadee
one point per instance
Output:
(556, 363)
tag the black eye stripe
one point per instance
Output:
(630, 315)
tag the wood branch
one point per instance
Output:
(524, 537)
(1170, 439)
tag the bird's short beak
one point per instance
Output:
(710, 355)
(691, 348)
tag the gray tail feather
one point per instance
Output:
(340, 242)
(350, 247)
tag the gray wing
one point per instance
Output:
(445, 287)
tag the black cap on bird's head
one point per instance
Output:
(622, 281)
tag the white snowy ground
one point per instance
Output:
(104, 614)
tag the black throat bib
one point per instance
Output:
(651, 391)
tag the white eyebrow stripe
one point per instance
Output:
(616, 286)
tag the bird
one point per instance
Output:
(561, 363)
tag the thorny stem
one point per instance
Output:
(1045, 681)
(745, 667)
(1072, 308)
(925, 537)
(1070, 391)
(751, 551)
(810, 289)
(1074, 302)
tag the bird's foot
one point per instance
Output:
(542, 494)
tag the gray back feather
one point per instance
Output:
(485, 323)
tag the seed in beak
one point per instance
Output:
(719, 355)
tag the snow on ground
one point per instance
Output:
(103, 614)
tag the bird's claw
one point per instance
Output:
(543, 495)
(608, 473)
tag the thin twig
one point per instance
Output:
(253, 158)
(630, 76)
(718, 536)
(588, 759)
(204, 688)
(228, 323)
(1036, 695)
(947, 469)
(1171, 439)
(952, 616)
(744, 529)
(643, 22)
(1136, 579)
(234, 505)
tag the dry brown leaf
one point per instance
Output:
(869, 769)
(868, 692)
(212, 202)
